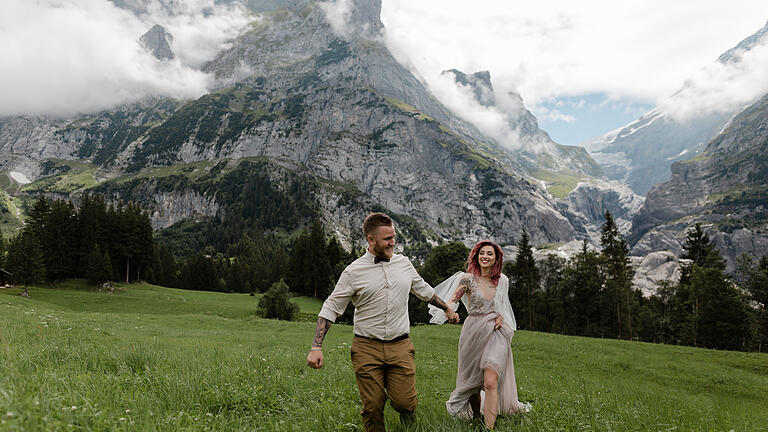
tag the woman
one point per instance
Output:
(485, 355)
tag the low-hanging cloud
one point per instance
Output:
(67, 57)
(721, 87)
(493, 120)
(639, 50)
(338, 12)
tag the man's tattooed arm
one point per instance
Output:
(322, 328)
(438, 303)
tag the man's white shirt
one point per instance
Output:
(379, 292)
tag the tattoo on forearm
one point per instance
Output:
(322, 328)
(458, 294)
(438, 303)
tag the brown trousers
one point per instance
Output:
(384, 370)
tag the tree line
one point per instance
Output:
(590, 294)
(93, 241)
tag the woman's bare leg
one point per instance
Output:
(490, 382)
(474, 402)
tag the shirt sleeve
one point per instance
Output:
(336, 303)
(419, 287)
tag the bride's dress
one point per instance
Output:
(481, 347)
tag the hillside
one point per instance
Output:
(641, 153)
(152, 358)
(724, 188)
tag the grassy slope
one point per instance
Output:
(150, 358)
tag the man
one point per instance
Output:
(378, 284)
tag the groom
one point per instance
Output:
(378, 284)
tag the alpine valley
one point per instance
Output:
(308, 118)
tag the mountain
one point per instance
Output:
(158, 42)
(640, 154)
(725, 188)
(536, 151)
(310, 117)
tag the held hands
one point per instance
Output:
(452, 316)
(497, 323)
(315, 358)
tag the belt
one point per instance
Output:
(397, 339)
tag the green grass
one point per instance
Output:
(148, 358)
(558, 184)
(80, 176)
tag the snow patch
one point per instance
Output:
(20, 177)
(682, 153)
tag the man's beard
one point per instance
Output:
(382, 252)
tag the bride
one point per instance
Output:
(485, 380)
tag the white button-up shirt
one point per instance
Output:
(379, 293)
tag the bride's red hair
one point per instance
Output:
(473, 264)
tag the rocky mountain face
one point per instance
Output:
(316, 97)
(158, 42)
(725, 188)
(536, 151)
(640, 154)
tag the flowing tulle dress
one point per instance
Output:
(480, 347)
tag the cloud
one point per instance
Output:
(552, 114)
(639, 50)
(338, 12)
(721, 87)
(66, 57)
(461, 100)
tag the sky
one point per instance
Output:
(583, 68)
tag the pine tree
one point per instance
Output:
(99, 268)
(707, 307)
(25, 260)
(721, 317)
(755, 281)
(618, 273)
(524, 275)
(35, 221)
(319, 277)
(701, 251)
(57, 238)
(298, 263)
(164, 266)
(580, 294)
(551, 271)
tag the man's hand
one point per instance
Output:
(452, 316)
(498, 322)
(315, 359)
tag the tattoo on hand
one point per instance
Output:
(322, 328)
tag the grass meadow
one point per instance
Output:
(148, 358)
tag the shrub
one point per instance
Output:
(276, 303)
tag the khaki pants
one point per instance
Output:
(384, 370)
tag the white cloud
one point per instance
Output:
(337, 12)
(640, 50)
(64, 57)
(721, 87)
(552, 114)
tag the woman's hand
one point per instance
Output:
(498, 322)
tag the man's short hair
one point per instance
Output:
(373, 221)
